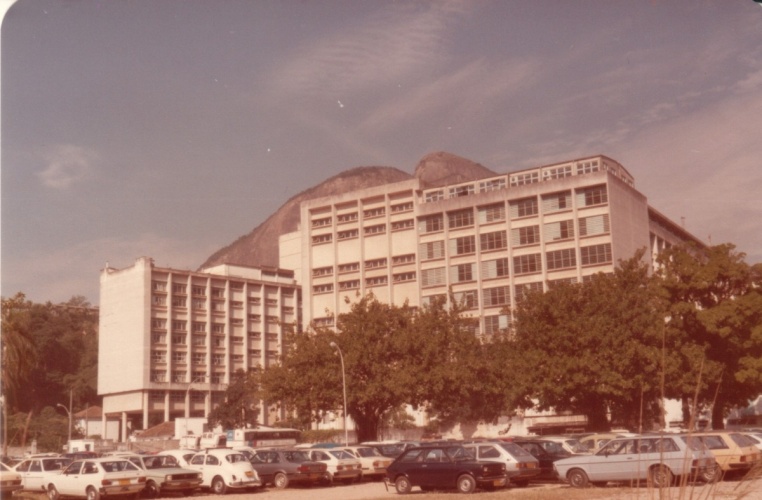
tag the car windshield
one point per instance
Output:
(341, 454)
(296, 456)
(575, 446)
(118, 466)
(368, 452)
(55, 464)
(515, 450)
(160, 462)
(694, 443)
(741, 440)
(392, 449)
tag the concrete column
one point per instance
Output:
(104, 425)
(124, 427)
(166, 406)
(146, 402)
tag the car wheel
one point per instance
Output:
(151, 490)
(53, 493)
(280, 480)
(577, 478)
(466, 484)
(711, 475)
(522, 484)
(218, 486)
(327, 479)
(402, 485)
(660, 476)
(92, 494)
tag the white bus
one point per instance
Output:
(259, 437)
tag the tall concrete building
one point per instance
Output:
(170, 339)
(489, 240)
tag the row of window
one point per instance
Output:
(354, 284)
(369, 213)
(522, 236)
(522, 264)
(526, 207)
(397, 260)
(518, 179)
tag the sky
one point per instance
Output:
(170, 128)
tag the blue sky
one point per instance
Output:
(170, 128)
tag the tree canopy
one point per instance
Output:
(595, 347)
(714, 313)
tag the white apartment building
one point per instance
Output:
(489, 240)
(171, 339)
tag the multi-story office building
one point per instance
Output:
(170, 340)
(489, 240)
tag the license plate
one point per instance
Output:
(124, 481)
(498, 482)
(532, 465)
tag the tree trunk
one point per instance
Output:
(596, 417)
(718, 416)
(26, 429)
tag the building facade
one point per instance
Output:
(489, 241)
(170, 340)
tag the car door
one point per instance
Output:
(198, 463)
(23, 470)
(620, 461)
(68, 483)
(263, 463)
(437, 468)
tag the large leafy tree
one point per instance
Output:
(715, 322)
(460, 377)
(376, 340)
(306, 382)
(240, 408)
(595, 347)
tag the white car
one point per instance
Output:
(223, 469)
(657, 459)
(10, 480)
(97, 477)
(373, 463)
(341, 465)
(35, 472)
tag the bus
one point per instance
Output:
(262, 436)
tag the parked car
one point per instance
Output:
(10, 480)
(341, 466)
(595, 442)
(520, 465)
(570, 444)
(97, 477)
(164, 475)
(733, 452)
(223, 469)
(657, 459)
(373, 463)
(546, 453)
(282, 467)
(182, 456)
(444, 467)
(35, 472)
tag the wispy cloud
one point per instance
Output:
(388, 48)
(66, 165)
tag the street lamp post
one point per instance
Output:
(68, 412)
(344, 384)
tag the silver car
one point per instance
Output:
(657, 459)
